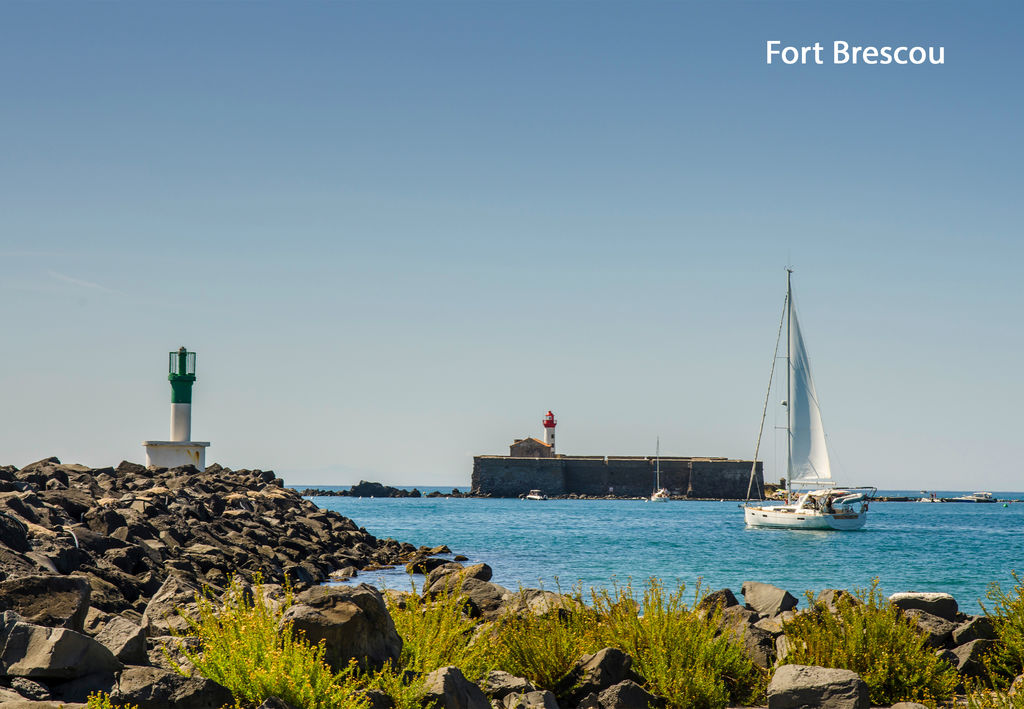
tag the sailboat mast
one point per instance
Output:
(657, 461)
(789, 375)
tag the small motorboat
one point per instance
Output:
(974, 497)
(535, 495)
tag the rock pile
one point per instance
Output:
(93, 563)
(363, 489)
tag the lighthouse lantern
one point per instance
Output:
(549, 429)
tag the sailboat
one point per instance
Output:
(660, 494)
(818, 504)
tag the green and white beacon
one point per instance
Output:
(180, 450)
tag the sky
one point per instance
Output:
(398, 233)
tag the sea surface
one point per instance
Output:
(908, 546)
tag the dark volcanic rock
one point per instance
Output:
(52, 653)
(628, 695)
(354, 623)
(447, 687)
(125, 639)
(766, 599)
(593, 674)
(498, 684)
(722, 598)
(54, 601)
(799, 686)
(939, 630)
(536, 699)
(940, 604)
(154, 688)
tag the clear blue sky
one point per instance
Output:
(398, 233)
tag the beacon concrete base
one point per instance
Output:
(172, 454)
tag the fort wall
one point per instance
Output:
(626, 476)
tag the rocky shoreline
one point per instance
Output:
(372, 489)
(95, 562)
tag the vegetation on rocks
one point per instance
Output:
(873, 638)
(245, 646)
(1006, 661)
(676, 651)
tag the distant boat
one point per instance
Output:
(931, 497)
(660, 494)
(536, 495)
(973, 497)
(820, 506)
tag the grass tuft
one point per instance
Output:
(677, 650)
(244, 647)
(874, 639)
(1006, 660)
(101, 700)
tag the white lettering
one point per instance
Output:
(840, 52)
(792, 55)
(845, 53)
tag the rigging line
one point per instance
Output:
(764, 411)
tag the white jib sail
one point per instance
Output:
(809, 453)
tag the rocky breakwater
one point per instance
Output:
(93, 563)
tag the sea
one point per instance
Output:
(560, 544)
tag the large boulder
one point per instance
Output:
(800, 686)
(125, 639)
(448, 688)
(977, 627)
(758, 644)
(722, 598)
(628, 695)
(831, 599)
(161, 616)
(13, 533)
(483, 599)
(353, 622)
(766, 599)
(39, 652)
(940, 604)
(970, 657)
(499, 684)
(155, 688)
(54, 601)
(939, 630)
(537, 699)
(535, 601)
(592, 674)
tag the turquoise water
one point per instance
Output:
(908, 546)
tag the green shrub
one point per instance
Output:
(406, 689)
(542, 648)
(980, 696)
(436, 632)
(874, 639)
(243, 648)
(101, 700)
(677, 650)
(1006, 660)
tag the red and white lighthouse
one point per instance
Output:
(549, 430)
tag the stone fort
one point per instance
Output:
(532, 464)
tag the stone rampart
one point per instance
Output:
(625, 476)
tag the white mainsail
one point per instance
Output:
(809, 453)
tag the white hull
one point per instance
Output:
(787, 517)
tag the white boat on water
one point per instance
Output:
(535, 495)
(820, 505)
(660, 494)
(931, 497)
(974, 497)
